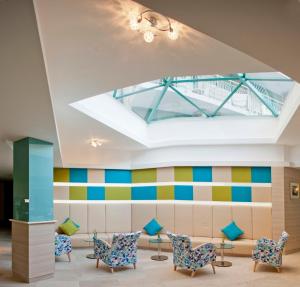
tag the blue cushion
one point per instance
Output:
(153, 227)
(232, 231)
(76, 224)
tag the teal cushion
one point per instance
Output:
(232, 231)
(76, 224)
(153, 227)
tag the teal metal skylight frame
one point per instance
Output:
(170, 83)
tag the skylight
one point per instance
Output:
(251, 94)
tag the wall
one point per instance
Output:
(292, 209)
(285, 212)
(204, 183)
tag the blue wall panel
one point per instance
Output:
(96, 193)
(183, 192)
(143, 193)
(261, 174)
(78, 175)
(241, 194)
(117, 176)
(202, 173)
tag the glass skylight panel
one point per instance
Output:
(251, 94)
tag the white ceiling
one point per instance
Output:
(25, 104)
(266, 30)
(88, 49)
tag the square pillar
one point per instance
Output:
(33, 224)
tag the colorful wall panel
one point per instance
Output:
(202, 183)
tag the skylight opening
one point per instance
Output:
(251, 94)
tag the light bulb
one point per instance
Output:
(173, 35)
(148, 36)
(134, 24)
(94, 143)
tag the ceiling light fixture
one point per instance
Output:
(94, 142)
(151, 23)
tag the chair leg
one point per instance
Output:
(175, 267)
(97, 264)
(69, 256)
(193, 273)
(134, 265)
(278, 269)
(213, 267)
(255, 265)
(112, 270)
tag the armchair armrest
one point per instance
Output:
(101, 249)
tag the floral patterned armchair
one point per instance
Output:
(191, 258)
(269, 251)
(122, 251)
(63, 245)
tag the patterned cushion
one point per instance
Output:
(153, 227)
(232, 231)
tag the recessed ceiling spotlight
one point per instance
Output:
(149, 22)
(95, 142)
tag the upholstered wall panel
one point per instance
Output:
(262, 222)
(78, 192)
(222, 216)
(78, 213)
(61, 192)
(165, 174)
(141, 214)
(96, 217)
(242, 215)
(202, 220)
(261, 194)
(221, 174)
(183, 219)
(61, 212)
(118, 217)
(165, 213)
(200, 183)
(96, 175)
(203, 193)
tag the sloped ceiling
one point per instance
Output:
(25, 104)
(89, 49)
(267, 30)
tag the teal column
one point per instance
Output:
(33, 180)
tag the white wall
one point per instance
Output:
(223, 155)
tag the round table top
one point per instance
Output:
(89, 240)
(224, 246)
(159, 240)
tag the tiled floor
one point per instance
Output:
(81, 272)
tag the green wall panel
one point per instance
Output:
(33, 180)
(143, 175)
(117, 193)
(241, 174)
(61, 175)
(21, 180)
(221, 193)
(40, 180)
(78, 192)
(165, 192)
(183, 173)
